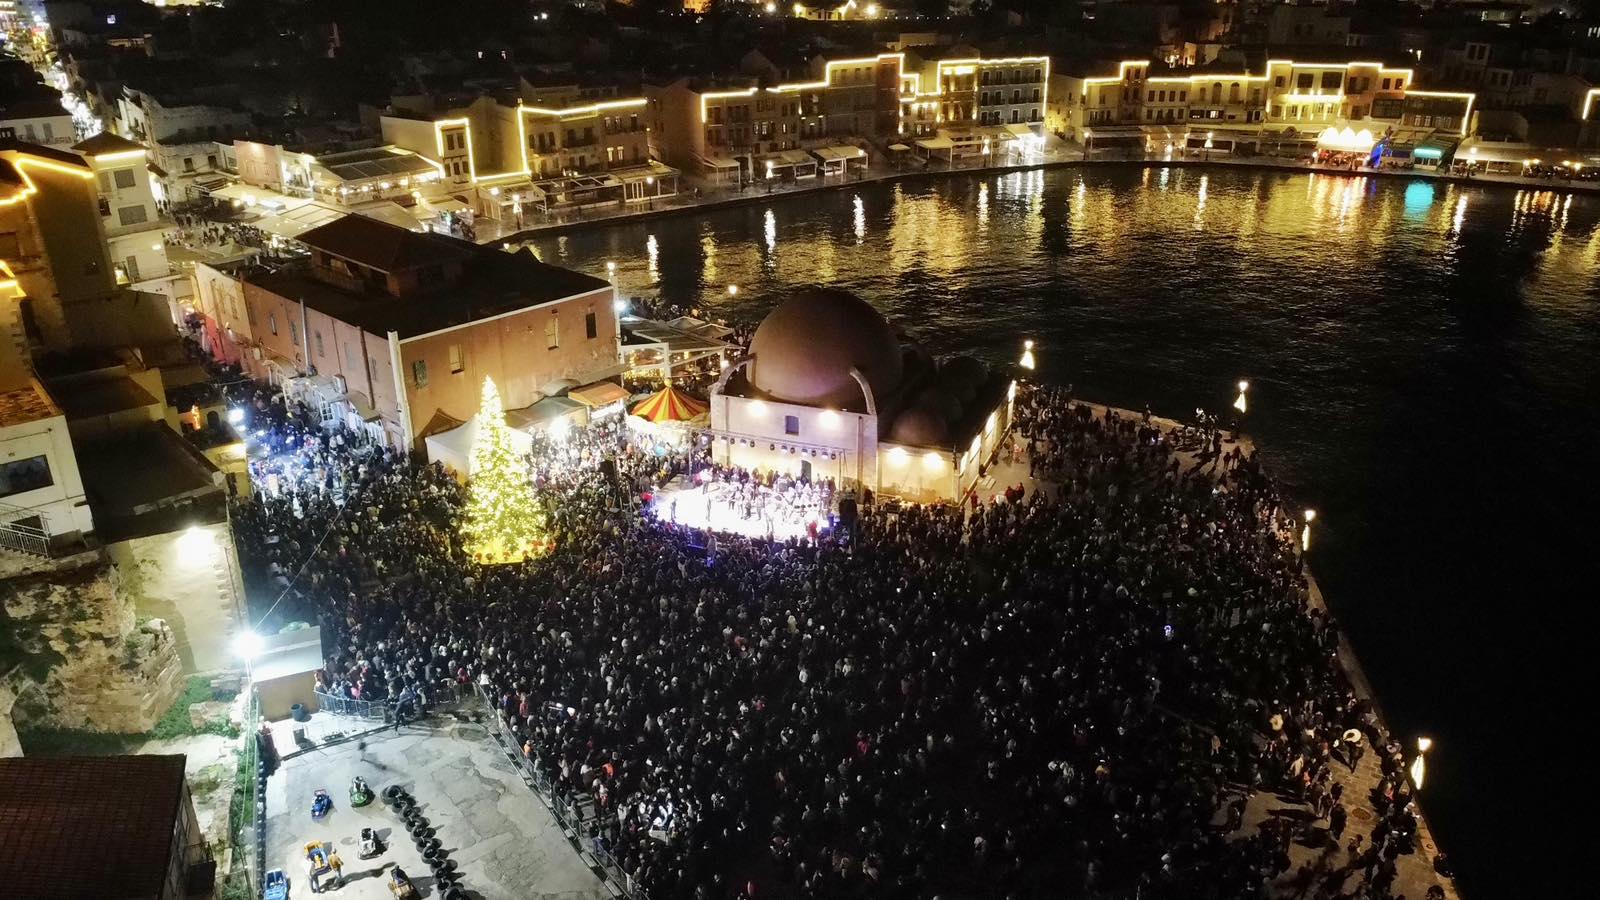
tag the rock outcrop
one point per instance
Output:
(83, 659)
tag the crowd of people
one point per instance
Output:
(1069, 692)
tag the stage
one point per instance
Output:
(695, 508)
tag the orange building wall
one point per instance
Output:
(512, 350)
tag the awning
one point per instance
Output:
(937, 143)
(648, 171)
(391, 213)
(1021, 130)
(1437, 148)
(447, 205)
(719, 162)
(601, 393)
(899, 148)
(296, 222)
(1473, 150)
(547, 410)
(838, 153)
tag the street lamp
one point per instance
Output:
(1239, 404)
(1305, 533)
(733, 290)
(1419, 768)
(611, 270)
(247, 645)
(1027, 355)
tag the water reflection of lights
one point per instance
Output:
(769, 229)
(652, 252)
(983, 205)
(860, 219)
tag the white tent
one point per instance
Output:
(453, 448)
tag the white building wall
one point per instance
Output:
(62, 503)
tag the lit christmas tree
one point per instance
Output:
(503, 521)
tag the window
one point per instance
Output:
(457, 366)
(49, 132)
(552, 333)
(1304, 80)
(10, 245)
(591, 328)
(132, 215)
(791, 424)
(294, 332)
(124, 178)
(419, 373)
(272, 322)
(318, 336)
(105, 182)
(22, 475)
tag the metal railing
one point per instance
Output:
(574, 823)
(17, 534)
(375, 710)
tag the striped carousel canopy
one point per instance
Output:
(669, 405)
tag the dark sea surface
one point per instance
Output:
(1424, 361)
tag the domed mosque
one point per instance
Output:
(830, 390)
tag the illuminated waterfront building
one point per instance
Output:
(1286, 105)
(547, 149)
(828, 390)
(830, 123)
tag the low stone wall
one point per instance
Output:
(87, 663)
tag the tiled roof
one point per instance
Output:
(87, 826)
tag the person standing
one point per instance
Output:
(1336, 821)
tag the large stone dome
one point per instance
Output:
(804, 350)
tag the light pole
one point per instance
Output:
(1027, 361)
(733, 290)
(1418, 767)
(1305, 533)
(1239, 404)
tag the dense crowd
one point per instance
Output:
(1070, 693)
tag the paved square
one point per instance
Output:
(505, 843)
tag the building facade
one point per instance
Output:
(392, 332)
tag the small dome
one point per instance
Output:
(804, 350)
(963, 370)
(941, 401)
(920, 426)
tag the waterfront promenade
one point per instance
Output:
(1313, 858)
(1060, 156)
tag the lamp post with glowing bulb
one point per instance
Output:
(1419, 769)
(1027, 361)
(733, 290)
(1239, 404)
(611, 270)
(1305, 533)
(247, 645)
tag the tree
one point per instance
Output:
(503, 521)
